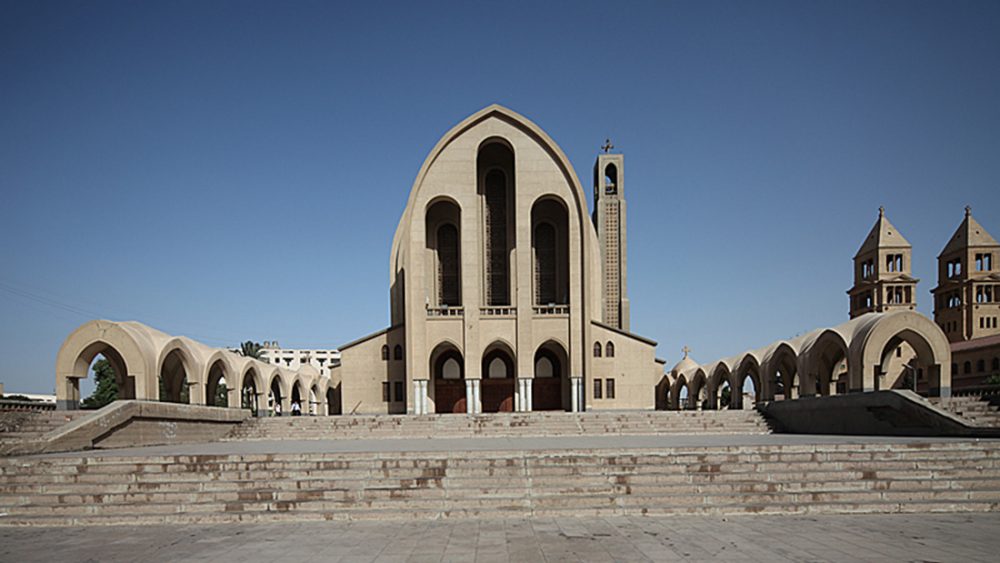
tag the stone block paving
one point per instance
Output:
(888, 537)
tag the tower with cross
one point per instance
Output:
(610, 222)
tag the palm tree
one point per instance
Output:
(250, 349)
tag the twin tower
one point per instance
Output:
(968, 292)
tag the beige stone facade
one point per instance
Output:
(507, 294)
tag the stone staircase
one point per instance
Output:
(979, 411)
(497, 425)
(871, 477)
(17, 426)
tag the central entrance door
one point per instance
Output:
(497, 387)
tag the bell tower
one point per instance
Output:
(882, 268)
(967, 297)
(609, 220)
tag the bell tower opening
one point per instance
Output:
(609, 220)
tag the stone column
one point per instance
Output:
(576, 387)
(469, 397)
(420, 403)
(196, 393)
(477, 401)
(529, 402)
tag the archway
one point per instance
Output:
(679, 394)
(296, 403)
(249, 393)
(748, 384)
(548, 393)
(827, 367)
(698, 394)
(448, 369)
(216, 386)
(717, 381)
(174, 377)
(333, 406)
(930, 348)
(275, 398)
(780, 375)
(498, 379)
(314, 403)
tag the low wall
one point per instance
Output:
(875, 413)
(136, 423)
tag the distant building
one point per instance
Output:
(293, 359)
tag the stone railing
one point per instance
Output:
(445, 311)
(547, 310)
(19, 405)
(504, 311)
(978, 390)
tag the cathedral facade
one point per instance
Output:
(506, 292)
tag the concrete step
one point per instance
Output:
(942, 476)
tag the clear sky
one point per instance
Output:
(235, 170)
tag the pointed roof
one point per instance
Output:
(882, 235)
(969, 233)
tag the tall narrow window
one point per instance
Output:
(545, 264)
(449, 282)
(597, 349)
(497, 286)
(609, 351)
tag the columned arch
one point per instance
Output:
(698, 390)
(719, 378)
(824, 366)
(218, 373)
(779, 373)
(177, 372)
(870, 348)
(748, 369)
(130, 354)
(679, 394)
(251, 389)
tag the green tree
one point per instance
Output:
(165, 393)
(107, 386)
(727, 395)
(251, 349)
(221, 395)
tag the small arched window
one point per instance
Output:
(609, 350)
(385, 353)
(597, 349)
(981, 366)
(397, 352)
(967, 367)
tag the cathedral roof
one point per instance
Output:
(882, 235)
(970, 233)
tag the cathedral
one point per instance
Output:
(506, 294)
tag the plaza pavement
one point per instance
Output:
(624, 442)
(876, 538)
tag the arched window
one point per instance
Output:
(545, 264)
(967, 367)
(981, 366)
(611, 179)
(597, 349)
(449, 279)
(385, 353)
(397, 352)
(497, 285)
(609, 350)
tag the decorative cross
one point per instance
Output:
(607, 145)
(685, 349)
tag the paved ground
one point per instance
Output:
(922, 537)
(504, 444)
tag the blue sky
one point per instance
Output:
(235, 170)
